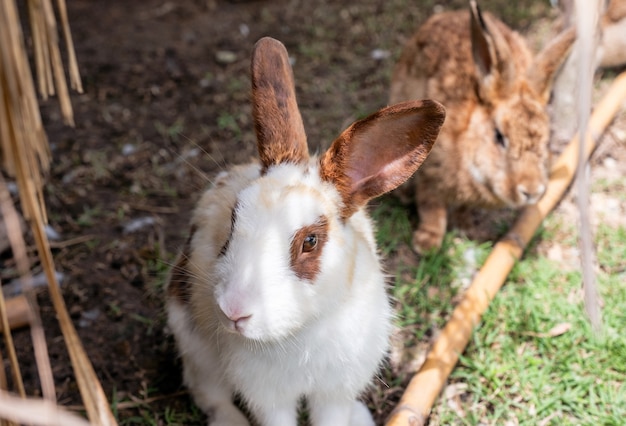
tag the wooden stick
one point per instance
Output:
(422, 391)
(587, 12)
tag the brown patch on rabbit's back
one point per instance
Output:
(179, 285)
(447, 29)
(445, 70)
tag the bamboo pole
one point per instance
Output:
(423, 389)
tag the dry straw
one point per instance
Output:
(26, 157)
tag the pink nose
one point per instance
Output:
(236, 314)
(239, 321)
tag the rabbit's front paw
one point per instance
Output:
(425, 241)
(227, 415)
(360, 415)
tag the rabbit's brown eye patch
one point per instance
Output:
(306, 249)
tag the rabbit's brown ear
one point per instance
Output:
(491, 55)
(277, 120)
(378, 153)
(548, 61)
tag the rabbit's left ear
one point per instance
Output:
(377, 154)
(277, 120)
(492, 55)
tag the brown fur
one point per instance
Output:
(615, 11)
(306, 263)
(378, 153)
(484, 74)
(277, 120)
(613, 43)
(179, 284)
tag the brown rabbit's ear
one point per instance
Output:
(548, 61)
(378, 153)
(277, 120)
(491, 54)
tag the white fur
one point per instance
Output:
(323, 340)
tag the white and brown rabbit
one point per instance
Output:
(493, 149)
(278, 293)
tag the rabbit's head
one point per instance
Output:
(510, 124)
(299, 236)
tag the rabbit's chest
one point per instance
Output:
(295, 367)
(329, 359)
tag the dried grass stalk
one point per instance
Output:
(36, 412)
(75, 81)
(26, 154)
(423, 389)
(14, 232)
(50, 72)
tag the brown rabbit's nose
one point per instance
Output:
(530, 195)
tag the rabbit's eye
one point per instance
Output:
(500, 139)
(309, 243)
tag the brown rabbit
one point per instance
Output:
(493, 148)
(611, 51)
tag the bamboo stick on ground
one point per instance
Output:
(422, 391)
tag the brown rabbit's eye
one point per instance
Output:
(309, 243)
(500, 139)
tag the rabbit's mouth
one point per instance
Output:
(515, 195)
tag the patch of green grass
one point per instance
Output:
(393, 226)
(615, 186)
(425, 287)
(88, 216)
(227, 121)
(169, 417)
(425, 301)
(173, 131)
(534, 358)
(517, 368)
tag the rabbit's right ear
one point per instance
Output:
(277, 120)
(547, 63)
(378, 153)
(491, 54)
